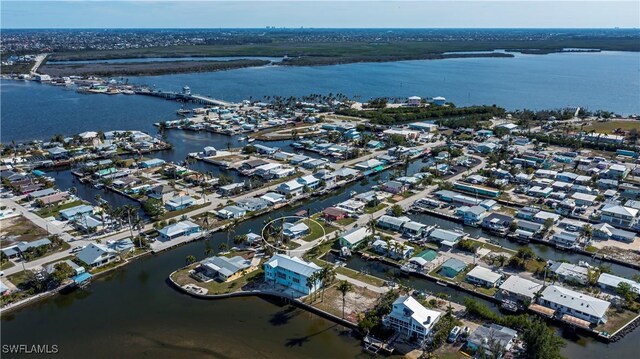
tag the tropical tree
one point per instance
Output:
(190, 260)
(344, 287)
(327, 275)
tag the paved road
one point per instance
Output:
(36, 66)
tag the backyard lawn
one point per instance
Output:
(54, 211)
(609, 126)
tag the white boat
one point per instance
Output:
(251, 140)
(243, 138)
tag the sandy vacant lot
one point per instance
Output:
(19, 229)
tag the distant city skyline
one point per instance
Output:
(320, 14)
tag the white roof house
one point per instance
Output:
(610, 281)
(96, 255)
(410, 318)
(354, 236)
(179, 229)
(483, 276)
(574, 303)
(521, 287)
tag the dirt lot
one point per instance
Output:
(19, 229)
(357, 301)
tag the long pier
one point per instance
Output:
(185, 97)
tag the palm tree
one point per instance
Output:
(128, 211)
(190, 260)
(327, 276)
(371, 224)
(231, 229)
(311, 283)
(344, 287)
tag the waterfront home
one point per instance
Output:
(537, 191)
(369, 165)
(484, 133)
(97, 255)
(607, 231)
(392, 249)
(16, 249)
(491, 337)
(292, 188)
(309, 181)
(392, 223)
(313, 163)
(451, 267)
(253, 204)
(327, 176)
(570, 272)
(273, 198)
(414, 229)
(472, 215)
(411, 319)
(456, 198)
(496, 221)
(424, 127)
(51, 268)
(179, 202)
(394, 187)
(232, 212)
(620, 216)
(124, 245)
(267, 170)
(57, 153)
(71, 213)
(354, 237)
(574, 304)
(519, 289)
(224, 269)
(616, 171)
(611, 282)
(334, 214)
(483, 276)
(154, 162)
(566, 239)
(346, 173)
(476, 189)
(295, 230)
(53, 199)
(351, 206)
(183, 228)
(486, 147)
(261, 149)
(41, 193)
(291, 272)
(423, 260)
(445, 237)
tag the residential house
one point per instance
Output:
(309, 181)
(520, 290)
(224, 269)
(292, 188)
(569, 272)
(392, 249)
(295, 230)
(607, 231)
(496, 222)
(487, 338)
(71, 213)
(291, 272)
(273, 198)
(445, 237)
(566, 239)
(161, 192)
(568, 302)
(472, 216)
(179, 202)
(483, 276)
(620, 216)
(334, 213)
(154, 162)
(97, 255)
(392, 223)
(183, 228)
(411, 319)
(611, 282)
(16, 249)
(351, 206)
(232, 212)
(394, 187)
(451, 267)
(354, 237)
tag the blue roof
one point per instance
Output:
(455, 264)
(82, 277)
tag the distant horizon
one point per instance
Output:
(320, 14)
(323, 28)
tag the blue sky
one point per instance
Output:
(320, 13)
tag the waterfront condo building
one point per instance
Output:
(291, 272)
